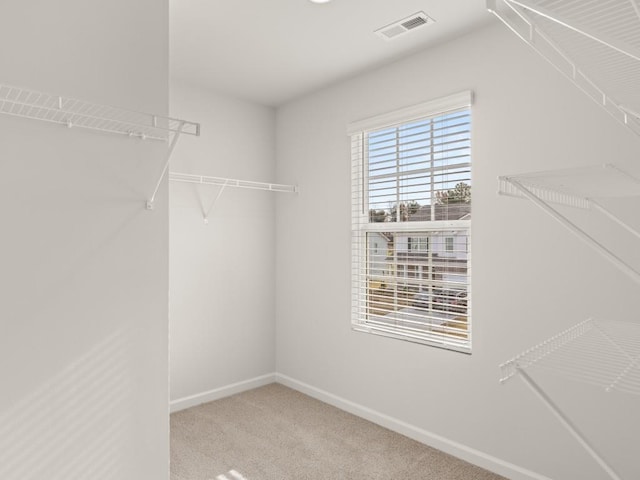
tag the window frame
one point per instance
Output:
(361, 216)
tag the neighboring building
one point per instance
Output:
(420, 269)
(379, 245)
(439, 256)
(411, 273)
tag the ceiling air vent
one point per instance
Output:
(405, 25)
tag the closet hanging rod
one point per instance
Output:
(230, 182)
(22, 102)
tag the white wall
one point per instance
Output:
(531, 279)
(84, 266)
(222, 290)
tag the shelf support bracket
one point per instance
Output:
(215, 200)
(573, 228)
(567, 423)
(614, 218)
(172, 145)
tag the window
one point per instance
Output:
(449, 244)
(419, 243)
(411, 191)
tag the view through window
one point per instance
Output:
(411, 222)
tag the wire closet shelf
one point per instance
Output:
(585, 188)
(223, 183)
(231, 182)
(603, 353)
(45, 107)
(22, 102)
(594, 43)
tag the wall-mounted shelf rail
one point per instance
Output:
(21, 102)
(223, 183)
(230, 182)
(595, 44)
(583, 187)
(597, 352)
(70, 112)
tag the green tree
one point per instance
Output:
(377, 215)
(406, 210)
(461, 193)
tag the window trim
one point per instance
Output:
(360, 215)
(407, 114)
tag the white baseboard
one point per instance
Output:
(446, 445)
(221, 392)
(443, 444)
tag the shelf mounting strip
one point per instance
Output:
(580, 187)
(601, 353)
(595, 44)
(223, 183)
(70, 112)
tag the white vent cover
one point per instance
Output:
(405, 25)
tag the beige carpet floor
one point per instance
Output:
(275, 433)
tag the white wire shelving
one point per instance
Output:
(601, 353)
(74, 113)
(223, 183)
(594, 43)
(582, 187)
(70, 112)
(230, 182)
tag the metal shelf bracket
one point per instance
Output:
(543, 198)
(172, 145)
(225, 183)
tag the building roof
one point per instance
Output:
(451, 211)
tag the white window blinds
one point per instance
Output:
(411, 215)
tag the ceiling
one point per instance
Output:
(272, 51)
